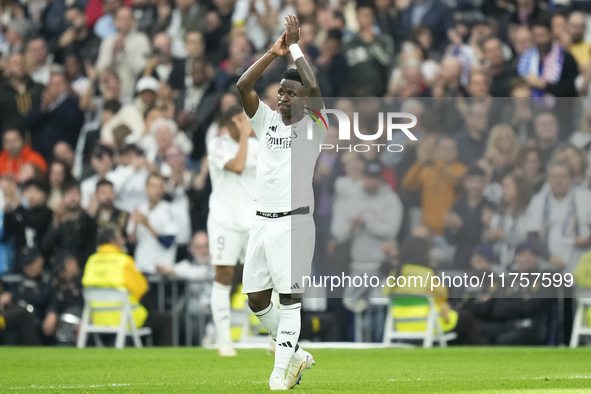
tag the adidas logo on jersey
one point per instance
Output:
(295, 286)
(285, 344)
(273, 128)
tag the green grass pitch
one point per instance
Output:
(179, 370)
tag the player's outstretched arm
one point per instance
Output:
(238, 163)
(245, 85)
(309, 79)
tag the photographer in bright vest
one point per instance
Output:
(110, 267)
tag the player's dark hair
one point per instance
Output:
(475, 171)
(104, 182)
(292, 74)
(228, 114)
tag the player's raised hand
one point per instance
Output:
(292, 26)
(280, 48)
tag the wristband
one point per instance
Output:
(296, 51)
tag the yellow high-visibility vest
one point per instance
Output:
(111, 268)
(417, 308)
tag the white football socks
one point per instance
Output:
(220, 310)
(269, 318)
(288, 334)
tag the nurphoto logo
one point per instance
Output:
(344, 125)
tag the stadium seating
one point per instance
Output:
(430, 320)
(580, 327)
(126, 325)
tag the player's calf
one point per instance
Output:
(220, 309)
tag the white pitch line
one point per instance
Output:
(77, 386)
(264, 381)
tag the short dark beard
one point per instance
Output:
(105, 206)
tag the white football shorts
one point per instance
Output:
(279, 254)
(226, 246)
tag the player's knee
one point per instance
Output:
(224, 274)
(259, 301)
(255, 304)
(289, 299)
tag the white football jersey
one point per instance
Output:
(149, 252)
(231, 201)
(284, 181)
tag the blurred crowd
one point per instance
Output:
(107, 108)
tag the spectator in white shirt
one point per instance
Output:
(133, 115)
(177, 184)
(153, 230)
(561, 217)
(136, 171)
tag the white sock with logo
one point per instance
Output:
(269, 318)
(220, 311)
(288, 334)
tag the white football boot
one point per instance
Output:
(277, 383)
(227, 351)
(296, 369)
